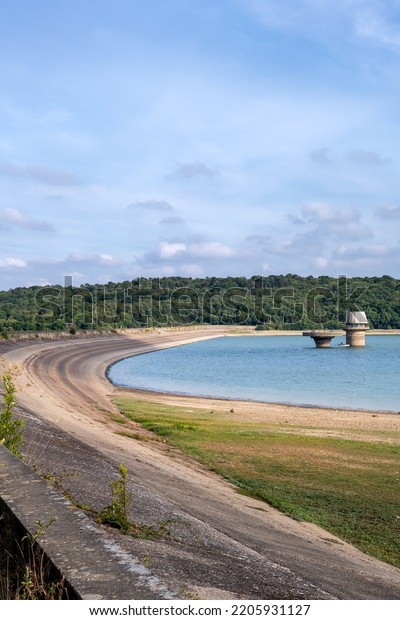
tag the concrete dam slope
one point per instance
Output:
(243, 548)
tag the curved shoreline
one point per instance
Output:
(100, 390)
(64, 382)
(162, 394)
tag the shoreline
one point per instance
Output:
(333, 422)
(160, 394)
(102, 390)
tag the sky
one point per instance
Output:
(188, 138)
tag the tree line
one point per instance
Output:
(271, 302)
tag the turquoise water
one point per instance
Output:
(284, 369)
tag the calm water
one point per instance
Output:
(285, 369)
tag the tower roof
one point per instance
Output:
(356, 318)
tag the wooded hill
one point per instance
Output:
(273, 302)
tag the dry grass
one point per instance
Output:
(348, 486)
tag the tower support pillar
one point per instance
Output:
(355, 337)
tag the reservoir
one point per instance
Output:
(281, 369)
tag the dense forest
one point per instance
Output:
(273, 302)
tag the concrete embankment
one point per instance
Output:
(73, 548)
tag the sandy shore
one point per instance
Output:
(64, 382)
(322, 422)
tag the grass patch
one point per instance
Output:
(119, 419)
(25, 572)
(349, 487)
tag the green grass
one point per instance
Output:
(349, 487)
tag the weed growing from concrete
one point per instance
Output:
(116, 514)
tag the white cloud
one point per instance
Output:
(341, 223)
(193, 257)
(39, 282)
(107, 259)
(365, 259)
(208, 249)
(328, 237)
(211, 249)
(266, 267)
(77, 275)
(93, 259)
(16, 218)
(169, 250)
(165, 270)
(321, 212)
(320, 262)
(13, 262)
(372, 250)
(193, 270)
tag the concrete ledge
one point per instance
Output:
(92, 564)
(323, 337)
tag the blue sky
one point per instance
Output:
(176, 137)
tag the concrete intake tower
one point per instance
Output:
(354, 328)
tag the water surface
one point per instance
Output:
(284, 369)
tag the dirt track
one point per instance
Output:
(243, 549)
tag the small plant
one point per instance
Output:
(116, 514)
(25, 572)
(10, 429)
(57, 482)
(36, 583)
(162, 531)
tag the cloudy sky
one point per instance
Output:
(176, 137)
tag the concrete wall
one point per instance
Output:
(90, 562)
